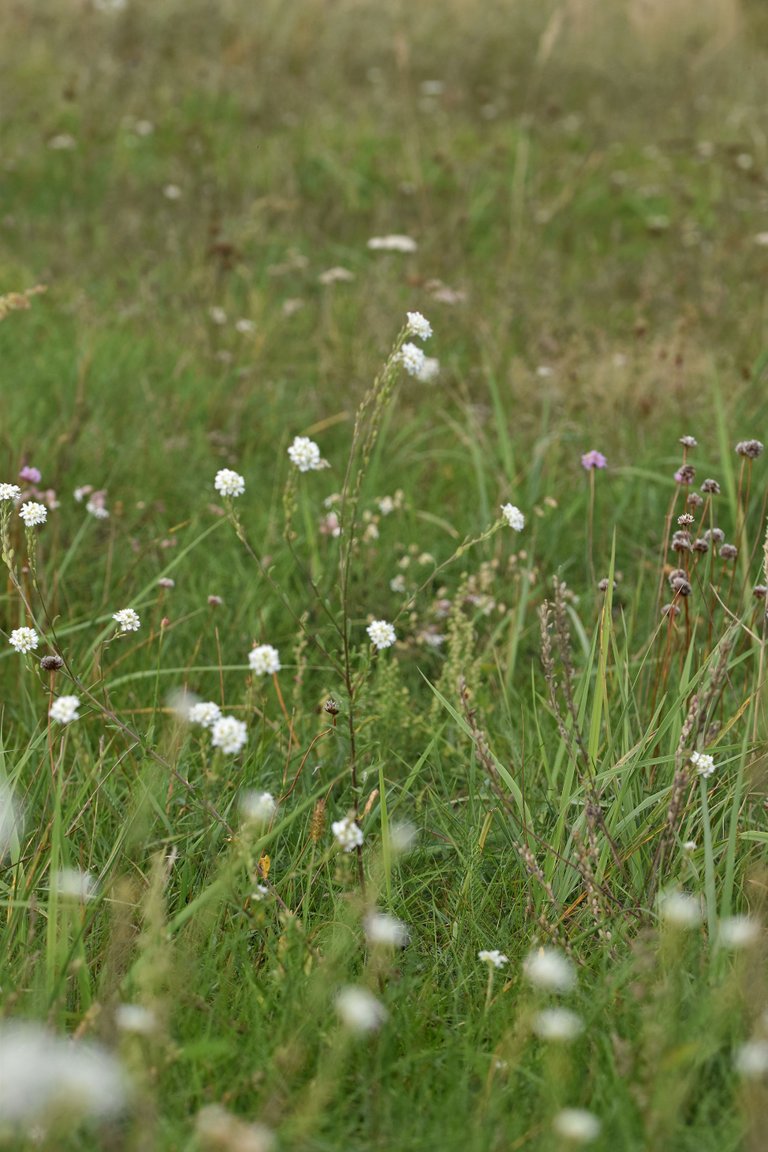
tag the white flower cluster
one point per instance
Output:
(558, 1024)
(349, 835)
(258, 807)
(703, 763)
(550, 970)
(395, 243)
(493, 958)
(382, 634)
(264, 660)
(577, 1125)
(680, 909)
(33, 514)
(127, 620)
(229, 734)
(385, 930)
(65, 709)
(228, 483)
(513, 517)
(204, 712)
(9, 492)
(359, 1010)
(24, 639)
(304, 454)
(418, 326)
(412, 359)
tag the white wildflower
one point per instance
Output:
(203, 712)
(382, 634)
(388, 931)
(229, 483)
(559, 1024)
(336, 276)
(260, 893)
(245, 326)
(74, 884)
(549, 969)
(43, 1075)
(751, 1060)
(493, 958)
(23, 639)
(412, 359)
(359, 1010)
(9, 492)
(127, 620)
(577, 1125)
(703, 763)
(258, 807)
(397, 583)
(418, 326)
(304, 454)
(217, 315)
(229, 734)
(96, 509)
(430, 367)
(680, 909)
(33, 514)
(172, 192)
(738, 932)
(513, 517)
(65, 709)
(264, 660)
(394, 243)
(386, 505)
(349, 835)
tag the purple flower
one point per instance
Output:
(592, 460)
(30, 474)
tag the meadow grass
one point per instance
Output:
(524, 771)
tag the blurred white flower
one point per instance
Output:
(559, 1024)
(74, 884)
(349, 834)
(680, 909)
(172, 192)
(577, 1125)
(359, 1010)
(412, 359)
(258, 807)
(388, 931)
(394, 243)
(64, 709)
(549, 969)
(751, 1060)
(135, 1019)
(429, 369)
(217, 315)
(738, 932)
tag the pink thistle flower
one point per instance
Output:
(593, 459)
(30, 474)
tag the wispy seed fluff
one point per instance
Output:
(229, 483)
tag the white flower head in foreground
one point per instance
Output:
(349, 834)
(577, 1125)
(382, 634)
(703, 763)
(412, 359)
(549, 969)
(9, 492)
(558, 1024)
(493, 958)
(24, 639)
(751, 1060)
(64, 709)
(359, 1010)
(44, 1076)
(395, 243)
(258, 807)
(74, 884)
(229, 734)
(203, 712)
(680, 909)
(738, 932)
(229, 483)
(264, 660)
(418, 326)
(304, 454)
(10, 819)
(513, 517)
(33, 514)
(385, 930)
(127, 620)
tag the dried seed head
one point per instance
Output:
(681, 542)
(685, 519)
(685, 474)
(317, 827)
(51, 663)
(331, 707)
(711, 486)
(700, 545)
(689, 441)
(670, 610)
(681, 587)
(729, 552)
(605, 583)
(676, 574)
(693, 500)
(749, 448)
(761, 591)
(714, 535)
